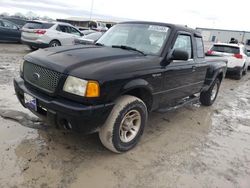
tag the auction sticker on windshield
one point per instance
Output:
(158, 28)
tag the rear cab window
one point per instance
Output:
(226, 49)
(37, 25)
(200, 47)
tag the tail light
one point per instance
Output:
(238, 56)
(209, 52)
(40, 32)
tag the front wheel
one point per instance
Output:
(125, 124)
(208, 97)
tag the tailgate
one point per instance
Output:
(29, 34)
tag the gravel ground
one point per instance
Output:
(194, 146)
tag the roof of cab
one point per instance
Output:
(173, 26)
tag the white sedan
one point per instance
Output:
(39, 34)
(236, 54)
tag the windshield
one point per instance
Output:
(37, 25)
(144, 37)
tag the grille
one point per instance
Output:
(41, 77)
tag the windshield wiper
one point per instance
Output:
(128, 48)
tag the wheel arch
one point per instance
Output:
(55, 40)
(141, 89)
(220, 75)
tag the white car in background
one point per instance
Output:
(236, 54)
(40, 34)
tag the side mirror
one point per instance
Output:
(178, 54)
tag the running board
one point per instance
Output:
(185, 101)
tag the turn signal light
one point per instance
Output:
(93, 89)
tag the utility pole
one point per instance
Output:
(243, 37)
(91, 9)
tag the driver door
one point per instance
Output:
(178, 75)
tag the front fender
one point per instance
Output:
(137, 83)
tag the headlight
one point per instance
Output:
(81, 87)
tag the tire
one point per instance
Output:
(33, 48)
(208, 97)
(239, 74)
(115, 134)
(245, 70)
(54, 43)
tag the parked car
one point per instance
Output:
(236, 54)
(110, 87)
(89, 39)
(98, 26)
(18, 21)
(88, 31)
(82, 28)
(39, 34)
(9, 31)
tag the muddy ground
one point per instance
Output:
(194, 146)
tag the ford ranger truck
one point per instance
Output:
(111, 86)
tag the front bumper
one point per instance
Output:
(64, 113)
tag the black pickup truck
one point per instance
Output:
(110, 87)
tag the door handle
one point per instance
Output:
(193, 68)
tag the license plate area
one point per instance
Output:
(30, 102)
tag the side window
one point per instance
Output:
(248, 42)
(183, 42)
(62, 28)
(74, 31)
(1, 23)
(9, 25)
(200, 47)
(246, 52)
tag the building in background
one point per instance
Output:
(220, 35)
(94, 22)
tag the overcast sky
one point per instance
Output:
(194, 13)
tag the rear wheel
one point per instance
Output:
(245, 70)
(54, 43)
(239, 74)
(208, 97)
(125, 124)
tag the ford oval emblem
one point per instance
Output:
(36, 76)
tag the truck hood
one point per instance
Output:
(90, 61)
